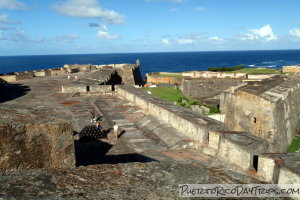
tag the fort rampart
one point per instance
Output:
(243, 151)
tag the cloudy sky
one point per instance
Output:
(121, 26)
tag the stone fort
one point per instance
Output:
(161, 145)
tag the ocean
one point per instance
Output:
(158, 62)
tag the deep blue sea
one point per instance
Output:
(154, 62)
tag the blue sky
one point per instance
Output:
(120, 26)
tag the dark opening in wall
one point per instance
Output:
(88, 88)
(254, 120)
(255, 162)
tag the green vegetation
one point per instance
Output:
(241, 69)
(167, 93)
(295, 146)
(258, 71)
(173, 94)
(225, 69)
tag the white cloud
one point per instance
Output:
(11, 4)
(185, 41)
(70, 38)
(199, 8)
(104, 34)
(295, 32)
(89, 9)
(165, 41)
(264, 33)
(5, 19)
(216, 38)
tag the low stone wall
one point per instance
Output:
(190, 123)
(39, 73)
(9, 78)
(279, 168)
(34, 141)
(101, 88)
(238, 148)
(82, 88)
(24, 76)
(74, 88)
(291, 68)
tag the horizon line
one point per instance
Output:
(152, 52)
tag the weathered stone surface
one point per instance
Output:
(207, 87)
(32, 140)
(122, 181)
(268, 109)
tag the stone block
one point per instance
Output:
(267, 169)
(34, 141)
(214, 139)
(288, 176)
(74, 88)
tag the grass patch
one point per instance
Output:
(173, 94)
(167, 93)
(228, 69)
(258, 71)
(295, 146)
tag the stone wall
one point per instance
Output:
(24, 75)
(236, 148)
(101, 88)
(157, 79)
(83, 88)
(205, 88)
(291, 68)
(39, 73)
(34, 141)
(190, 123)
(74, 88)
(272, 114)
(9, 78)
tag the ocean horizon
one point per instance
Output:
(157, 61)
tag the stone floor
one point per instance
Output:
(157, 174)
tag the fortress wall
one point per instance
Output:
(272, 115)
(190, 123)
(157, 80)
(207, 87)
(291, 68)
(9, 78)
(39, 74)
(236, 148)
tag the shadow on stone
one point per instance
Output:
(91, 152)
(12, 91)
